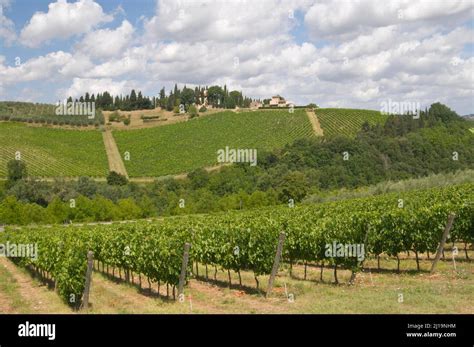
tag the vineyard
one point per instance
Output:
(182, 147)
(347, 122)
(53, 152)
(388, 224)
(159, 151)
(43, 114)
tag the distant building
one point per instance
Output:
(255, 104)
(279, 101)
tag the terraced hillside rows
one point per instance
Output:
(347, 122)
(53, 152)
(182, 147)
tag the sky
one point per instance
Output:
(335, 53)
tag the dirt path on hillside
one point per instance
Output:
(165, 118)
(318, 131)
(38, 297)
(210, 169)
(5, 306)
(181, 176)
(108, 296)
(113, 155)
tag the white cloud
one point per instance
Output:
(7, 27)
(77, 65)
(42, 67)
(82, 85)
(62, 20)
(107, 43)
(120, 67)
(369, 54)
(335, 17)
(224, 21)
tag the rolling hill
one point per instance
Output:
(185, 146)
(347, 122)
(53, 152)
(169, 149)
(28, 112)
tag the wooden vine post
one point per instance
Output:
(354, 273)
(85, 296)
(276, 263)
(449, 224)
(184, 266)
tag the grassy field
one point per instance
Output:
(374, 291)
(339, 121)
(53, 152)
(182, 147)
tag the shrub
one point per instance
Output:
(145, 118)
(114, 117)
(16, 170)
(116, 179)
(203, 109)
(192, 111)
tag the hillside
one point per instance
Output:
(44, 114)
(173, 148)
(53, 152)
(347, 122)
(190, 145)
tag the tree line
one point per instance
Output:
(215, 96)
(108, 102)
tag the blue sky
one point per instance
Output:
(334, 53)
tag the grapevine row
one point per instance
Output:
(389, 224)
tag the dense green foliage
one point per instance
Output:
(116, 179)
(79, 209)
(401, 148)
(53, 152)
(216, 96)
(108, 102)
(60, 254)
(16, 170)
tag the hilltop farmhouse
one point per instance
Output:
(279, 101)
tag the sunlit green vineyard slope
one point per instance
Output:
(53, 152)
(347, 122)
(189, 145)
